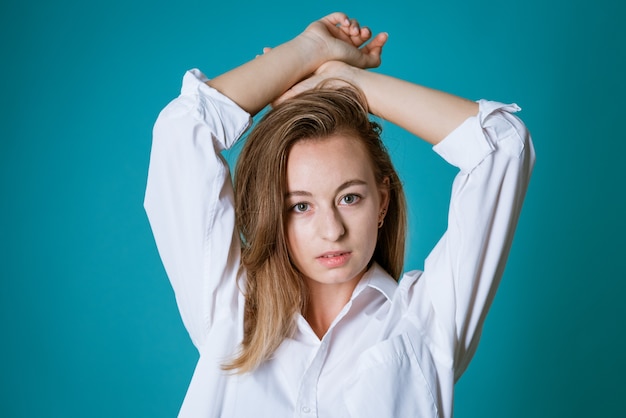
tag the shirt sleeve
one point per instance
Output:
(495, 155)
(189, 202)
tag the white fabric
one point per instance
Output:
(394, 350)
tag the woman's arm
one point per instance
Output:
(256, 83)
(430, 114)
(189, 203)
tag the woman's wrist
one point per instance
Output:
(338, 70)
(312, 50)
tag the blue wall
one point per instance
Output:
(89, 323)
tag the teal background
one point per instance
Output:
(89, 323)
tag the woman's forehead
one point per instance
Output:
(332, 161)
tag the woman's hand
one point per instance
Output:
(260, 81)
(343, 39)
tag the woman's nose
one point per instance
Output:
(331, 225)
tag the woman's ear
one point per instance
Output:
(385, 192)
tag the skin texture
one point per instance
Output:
(332, 220)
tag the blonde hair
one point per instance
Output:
(274, 290)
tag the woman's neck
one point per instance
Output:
(325, 303)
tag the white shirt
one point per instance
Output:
(395, 350)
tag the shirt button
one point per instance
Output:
(306, 409)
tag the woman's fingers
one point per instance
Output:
(348, 41)
(355, 27)
(354, 32)
(265, 51)
(375, 47)
(337, 19)
(363, 36)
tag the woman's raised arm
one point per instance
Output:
(430, 114)
(258, 82)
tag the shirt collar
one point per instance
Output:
(377, 278)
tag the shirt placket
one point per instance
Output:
(306, 405)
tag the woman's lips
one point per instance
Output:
(334, 259)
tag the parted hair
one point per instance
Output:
(274, 289)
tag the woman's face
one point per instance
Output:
(332, 206)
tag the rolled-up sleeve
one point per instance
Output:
(495, 155)
(189, 201)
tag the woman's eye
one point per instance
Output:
(300, 207)
(350, 199)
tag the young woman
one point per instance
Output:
(289, 284)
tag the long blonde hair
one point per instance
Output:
(274, 290)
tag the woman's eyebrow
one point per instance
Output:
(345, 185)
(349, 183)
